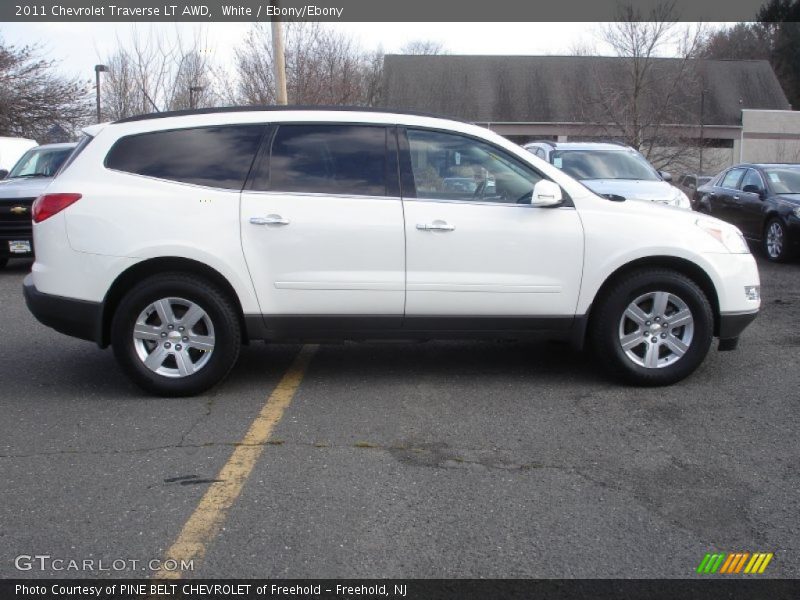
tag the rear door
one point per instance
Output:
(483, 257)
(322, 228)
(723, 205)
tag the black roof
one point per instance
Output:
(564, 89)
(274, 107)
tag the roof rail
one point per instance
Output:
(277, 108)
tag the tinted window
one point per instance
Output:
(211, 156)
(329, 159)
(453, 167)
(752, 178)
(731, 178)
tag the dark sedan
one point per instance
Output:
(763, 200)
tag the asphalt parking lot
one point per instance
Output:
(453, 459)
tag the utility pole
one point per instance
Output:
(97, 70)
(702, 125)
(278, 59)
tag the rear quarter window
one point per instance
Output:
(219, 156)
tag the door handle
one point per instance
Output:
(436, 226)
(269, 220)
(736, 198)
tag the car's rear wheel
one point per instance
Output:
(654, 327)
(3, 262)
(776, 241)
(176, 335)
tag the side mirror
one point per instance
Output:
(665, 176)
(546, 193)
(3, 173)
(753, 189)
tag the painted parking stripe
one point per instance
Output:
(208, 517)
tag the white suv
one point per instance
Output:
(177, 237)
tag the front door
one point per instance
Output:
(478, 253)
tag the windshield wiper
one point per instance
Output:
(29, 175)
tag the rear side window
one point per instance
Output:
(211, 156)
(731, 179)
(327, 159)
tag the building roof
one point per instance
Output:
(577, 89)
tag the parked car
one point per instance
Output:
(688, 184)
(175, 238)
(11, 148)
(615, 171)
(763, 200)
(29, 177)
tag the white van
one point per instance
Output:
(11, 149)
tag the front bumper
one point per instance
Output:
(731, 326)
(77, 318)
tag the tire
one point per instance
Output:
(3, 262)
(775, 241)
(176, 367)
(643, 362)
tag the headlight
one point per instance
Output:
(796, 212)
(730, 237)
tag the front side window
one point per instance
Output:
(218, 156)
(40, 162)
(329, 159)
(604, 164)
(731, 179)
(453, 167)
(752, 178)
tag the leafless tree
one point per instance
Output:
(420, 47)
(156, 72)
(323, 66)
(637, 105)
(34, 99)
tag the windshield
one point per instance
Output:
(784, 180)
(603, 164)
(40, 162)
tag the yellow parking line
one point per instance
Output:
(210, 513)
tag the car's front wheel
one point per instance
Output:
(776, 241)
(654, 327)
(176, 335)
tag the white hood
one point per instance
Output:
(23, 187)
(633, 189)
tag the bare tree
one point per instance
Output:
(423, 47)
(323, 66)
(34, 100)
(637, 104)
(156, 72)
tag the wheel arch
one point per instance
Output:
(155, 266)
(686, 267)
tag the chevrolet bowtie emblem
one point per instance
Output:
(19, 210)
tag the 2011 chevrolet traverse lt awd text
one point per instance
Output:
(175, 238)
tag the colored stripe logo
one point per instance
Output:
(734, 563)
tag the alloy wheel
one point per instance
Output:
(174, 337)
(656, 330)
(775, 240)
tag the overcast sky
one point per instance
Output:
(79, 46)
